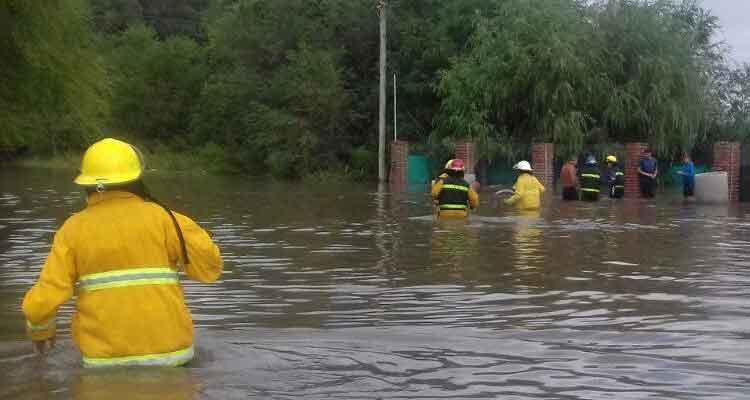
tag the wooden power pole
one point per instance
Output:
(613, 6)
(381, 104)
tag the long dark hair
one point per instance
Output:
(139, 189)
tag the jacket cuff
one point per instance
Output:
(41, 331)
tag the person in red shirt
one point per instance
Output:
(569, 179)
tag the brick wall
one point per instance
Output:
(727, 157)
(633, 153)
(466, 151)
(399, 162)
(542, 157)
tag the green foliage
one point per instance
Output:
(529, 74)
(363, 162)
(213, 158)
(560, 70)
(278, 90)
(290, 87)
(658, 57)
(733, 92)
(423, 36)
(155, 84)
(53, 95)
(166, 17)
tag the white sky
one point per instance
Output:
(734, 17)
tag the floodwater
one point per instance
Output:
(344, 292)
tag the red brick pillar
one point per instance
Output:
(542, 156)
(399, 162)
(727, 158)
(633, 152)
(466, 151)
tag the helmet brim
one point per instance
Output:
(87, 180)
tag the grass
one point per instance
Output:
(207, 160)
(64, 161)
(342, 175)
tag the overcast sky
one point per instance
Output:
(733, 16)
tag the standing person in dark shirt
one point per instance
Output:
(648, 170)
(569, 179)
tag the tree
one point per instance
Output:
(530, 72)
(659, 58)
(155, 84)
(732, 118)
(561, 70)
(53, 95)
(424, 36)
(277, 92)
(166, 17)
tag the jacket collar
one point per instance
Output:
(98, 197)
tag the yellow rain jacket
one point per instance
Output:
(527, 193)
(123, 252)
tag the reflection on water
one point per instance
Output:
(357, 292)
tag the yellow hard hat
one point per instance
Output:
(611, 159)
(110, 162)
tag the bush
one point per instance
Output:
(281, 164)
(156, 84)
(213, 158)
(363, 162)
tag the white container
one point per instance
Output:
(712, 187)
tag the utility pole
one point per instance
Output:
(613, 6)
(381, 117)
(395, 132)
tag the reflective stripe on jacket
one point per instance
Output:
(619, 180)
(172, 359)
(454, 197)
(123, 252)
(590, 179)
(615, 178)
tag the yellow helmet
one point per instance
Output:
(611, 159)
(110, 162)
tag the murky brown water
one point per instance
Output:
(341, 292)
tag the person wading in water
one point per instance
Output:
(648, 170)
(453, 195)
(569, 179)
(615, 178)
(527, 191)
(590, 180)
(124, 251)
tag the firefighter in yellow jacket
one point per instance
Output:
(124, 252)
(527, 192)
